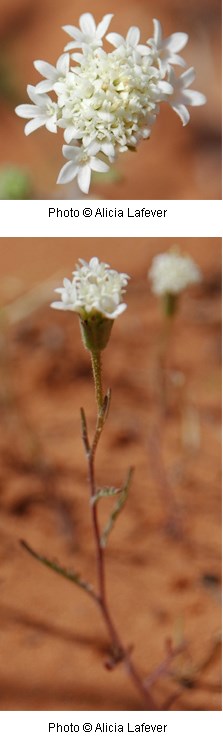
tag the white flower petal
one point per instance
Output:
(63, 64)
(44, 87)
(107, 116)
(71, 152)
(67, 173)
(72, 45)
(177, 60)
(118, 311)
(99, 166)
(157, 32)
(71, 133)
(84, 178)
(108, 150)
(182, 112)
(176, 42)
(165, 87)
(187, 77)
(87, 24)
(67, 283)
(133, 36)
(73, 31)
(26, 110)
(93, 148)
(51, 125)
(116, 39)
(103, 25)
(44, 68)
(34, 125)
(58, 305)
(77, 57)
(37, 98)
(143, 50)
(194, 98)
(94, 264)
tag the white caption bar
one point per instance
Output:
(167, 730)
(95, 218)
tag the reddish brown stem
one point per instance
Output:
(120, 652)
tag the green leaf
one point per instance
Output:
(123, 494)
(74, 577)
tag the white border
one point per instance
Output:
(188, 218)
(183, 729)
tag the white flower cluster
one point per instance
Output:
(172, 272)
(107, 102)
(95, 288)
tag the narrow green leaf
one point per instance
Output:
(123, 494)
(74, 577)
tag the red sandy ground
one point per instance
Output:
(52, 641)
(179, 163)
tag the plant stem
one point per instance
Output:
(120, 652)
(97, 374)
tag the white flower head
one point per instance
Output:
(89, 33)
(95, 289)
(171, 272)
(106, 102)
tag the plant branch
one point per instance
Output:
(73, 577)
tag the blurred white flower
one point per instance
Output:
(95, 288)
(42, 112)
(165, 49)
(107, 102)
(171, 272)
(182, 96)
(88, 33)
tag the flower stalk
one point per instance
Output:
(97, 375)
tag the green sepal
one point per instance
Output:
(95, 331)
(170, 304)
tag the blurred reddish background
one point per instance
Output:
(177, 162)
